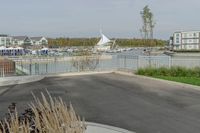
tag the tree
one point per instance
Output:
(148, 23)
(86, 61)
(151, 24)
(144, 15)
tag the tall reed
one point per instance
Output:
(48, 116)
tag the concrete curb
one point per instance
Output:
(79, 73)
(6, 81)
(183, 85)
(100, 128)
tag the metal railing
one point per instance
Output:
(55, 65)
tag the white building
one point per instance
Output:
(186, 40)
(39, 41)
(5, 40)
(21, 40)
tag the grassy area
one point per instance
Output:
(187, 80)
(178, 74)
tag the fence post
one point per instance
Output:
(138, 62)
(46, 68)
(78, 66)
(3, 72)
(125, 62)
(170, 61)
(30, 67)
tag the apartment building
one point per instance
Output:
(5, 40)
(186, 40)
(21, 40)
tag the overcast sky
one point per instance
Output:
(84, 18)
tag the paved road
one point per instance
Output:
(141, 105)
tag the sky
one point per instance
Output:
(85, 18)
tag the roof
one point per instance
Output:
(44, 49)
(20, 37)
(2, 47)
(10, 48)
(36, 38)
(187, 31)
(3, 35)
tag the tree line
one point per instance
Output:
(146, 33)
(63, 42)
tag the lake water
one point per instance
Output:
(126, 60)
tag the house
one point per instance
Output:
(185, 40)
(21, 40)
(39, 41)
(5, 40)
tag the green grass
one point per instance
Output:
(173, 72)
(187, 80)
(178, 74)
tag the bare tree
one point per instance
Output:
(86, 61)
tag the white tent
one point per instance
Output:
(10, 48)
(104, 40)
(2, 48)
(44, 49)
(19, 48)
(105, 44)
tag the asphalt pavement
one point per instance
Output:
(132, 103)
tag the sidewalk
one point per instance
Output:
(99, 128)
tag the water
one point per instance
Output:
(126, 60)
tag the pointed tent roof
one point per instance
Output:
(103, 40)
(2, 47)
(44, 49)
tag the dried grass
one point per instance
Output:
(52, 116)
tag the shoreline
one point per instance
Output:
(54, 59)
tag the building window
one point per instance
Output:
(185, 35)
(194, 34)
(184, 41)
